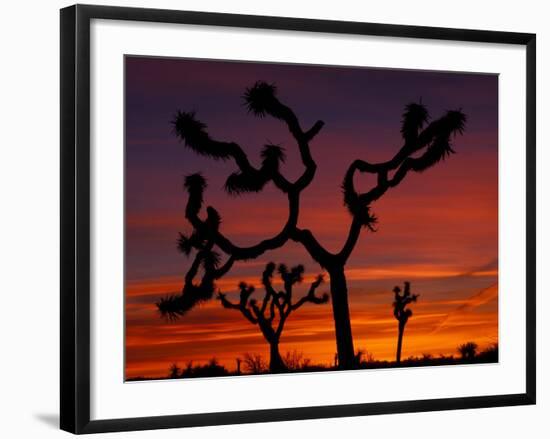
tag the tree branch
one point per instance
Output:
(304, 236)
(267, 275)
(194, 135)
(436, 138)
(229, 305)
(195, 185)
(274, 302)
(310, 296)
(261, 99)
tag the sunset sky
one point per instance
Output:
(438, 229)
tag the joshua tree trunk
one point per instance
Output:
(400, 342)
(342, 325)
(276, 363)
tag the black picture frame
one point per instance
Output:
(75, 217)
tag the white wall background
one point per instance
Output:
(29, 249)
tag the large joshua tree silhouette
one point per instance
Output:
(402, 313)
(272, 312)
(424, 145)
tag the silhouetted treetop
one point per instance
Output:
(273, 300)
(400, 310)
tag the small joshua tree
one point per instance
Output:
(402, 313)
(424, 145)
(271, 313)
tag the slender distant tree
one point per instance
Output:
(273, 310)
(402, 313)
(424, 145)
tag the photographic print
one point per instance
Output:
(289, 218)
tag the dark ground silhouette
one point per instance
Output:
(297, 363)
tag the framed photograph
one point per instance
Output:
(268, 218)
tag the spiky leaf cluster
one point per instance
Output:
(252, 180)
(213, 218)
(186, 244)
(195, 185)
(367, 218)
(441, 147)
(355, 207)
(176, 305)
(194, 135)
(272, 156)
(261, 98)
(414, 118)
(351, 198)
(292, 276)
(210, 260)
(246, 291)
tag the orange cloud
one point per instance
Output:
(153, 344)
(481, 298)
